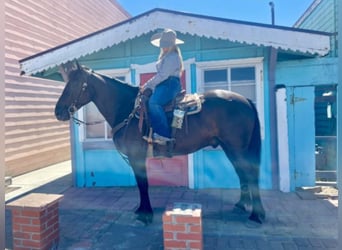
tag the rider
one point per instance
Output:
(165, 85)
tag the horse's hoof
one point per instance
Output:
(239, 209)
(252, 224)
(257, 218)
(145, 218)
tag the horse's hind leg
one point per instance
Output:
(248, 174)
(258, 212)
(245, 195)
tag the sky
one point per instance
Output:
(287, 12)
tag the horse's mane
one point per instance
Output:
(112, 80)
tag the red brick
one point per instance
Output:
(21, 248)
(16, 212)
(45, 234)
(167, 218)
(33, 228)
(188, 236)
(195, 244)
(17, 242)
(16, 227)
(37, 236)
(174, 228)
(168, 235)
(52, 221)
(31, 213)
(188, 220)
(21, 235)
(195, 228)
(22, 220)
(174, 244)
(37, 221)
(32, 244)
(53, 236)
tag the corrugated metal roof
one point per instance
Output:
(286, 38)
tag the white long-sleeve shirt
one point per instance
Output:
(169, 65)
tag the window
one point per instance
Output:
(238, 79)
(244, 76)
(101, 130)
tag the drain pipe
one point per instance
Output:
(272, 63)
(339, 126)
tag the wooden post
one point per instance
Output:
(35, 221)
(182, 227)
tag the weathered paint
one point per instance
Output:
(308, 72)
(322, 15)
(210, 168)
(220, 29)
(299, 78)
(301, 113)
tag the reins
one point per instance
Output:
(79, 122)
(72, 110)
(126, 121)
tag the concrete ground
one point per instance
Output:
(103, 218)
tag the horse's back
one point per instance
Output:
(225, 95)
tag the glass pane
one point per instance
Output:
(109, 131)
(215, 79)
(92, 114)
(246, 90)
(217, 75)
(243, 74)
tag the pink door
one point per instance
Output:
(166, 171)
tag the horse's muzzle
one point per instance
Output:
(62, 113)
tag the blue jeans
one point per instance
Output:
(164, 92)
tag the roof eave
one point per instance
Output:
(315, 43)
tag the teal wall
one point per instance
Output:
(300, 78)
(211, 168)
(324, 18)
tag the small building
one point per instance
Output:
(253, 59)
(33, 137)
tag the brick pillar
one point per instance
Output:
(182, 227)
(35, 223)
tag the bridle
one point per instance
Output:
(73, 108)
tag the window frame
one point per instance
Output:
(102, 142)
(256, 62)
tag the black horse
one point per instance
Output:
(227, 119)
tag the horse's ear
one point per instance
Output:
(78, 66)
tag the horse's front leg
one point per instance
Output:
(144, 211)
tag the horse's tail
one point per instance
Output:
(254, 147)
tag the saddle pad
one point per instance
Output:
(191, 103)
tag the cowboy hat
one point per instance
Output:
(165, 39)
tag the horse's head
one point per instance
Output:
(75, 94)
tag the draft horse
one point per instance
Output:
(227, 119)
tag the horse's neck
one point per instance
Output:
(114, 101)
